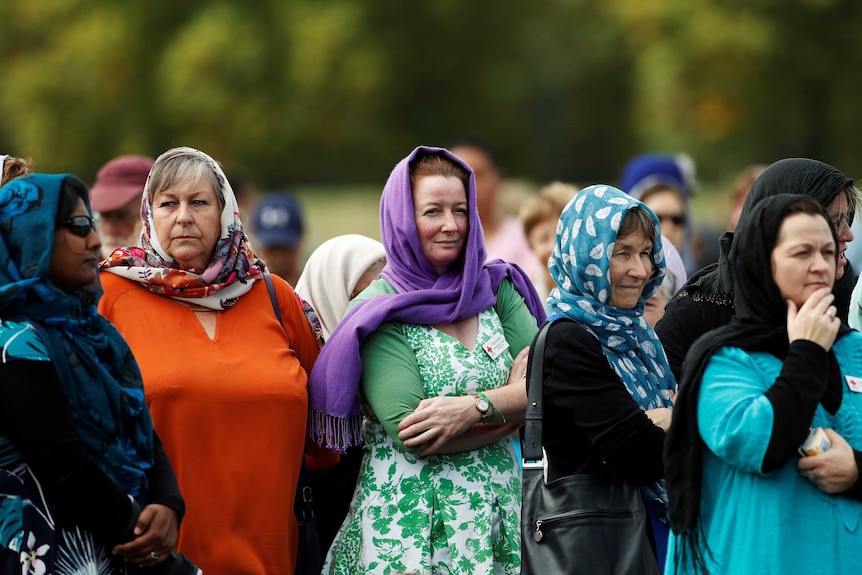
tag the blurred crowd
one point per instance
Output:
(184, 391)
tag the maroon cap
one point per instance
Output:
(119, 182)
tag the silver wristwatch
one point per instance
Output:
(482, 406)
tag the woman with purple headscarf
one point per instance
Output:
(436, 349)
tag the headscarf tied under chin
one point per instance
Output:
(580, 266)
(759, 324)
(468, 287)
(41, 322)
(229, 274)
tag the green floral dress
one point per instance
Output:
(457, 513)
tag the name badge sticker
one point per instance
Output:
(497, 344)
(854, 383)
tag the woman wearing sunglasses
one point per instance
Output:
(665, 184)
(84, 480)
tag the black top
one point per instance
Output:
(692, 312)
(689, 315)
(35, 416)
(591, 424)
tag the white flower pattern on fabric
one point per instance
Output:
(31, 542)
(30, 562)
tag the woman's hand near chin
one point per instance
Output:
(815, 321)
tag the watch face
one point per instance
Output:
(482, 405)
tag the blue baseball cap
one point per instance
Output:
(675, 171)
(277, 221)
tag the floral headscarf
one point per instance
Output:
(228, 276)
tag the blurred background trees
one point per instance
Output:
(336, 91)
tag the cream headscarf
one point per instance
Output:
(331, 273)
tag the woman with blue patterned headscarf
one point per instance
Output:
(81, 470)
(607, 387)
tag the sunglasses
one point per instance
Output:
(81, 226)
(676, 219)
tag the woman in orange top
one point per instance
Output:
(226, 385)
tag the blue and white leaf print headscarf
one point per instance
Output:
(580, 266)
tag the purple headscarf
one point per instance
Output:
(468, 287)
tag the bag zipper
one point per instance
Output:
(538, 535)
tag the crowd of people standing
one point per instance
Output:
(168, 389)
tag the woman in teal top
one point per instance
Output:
(742, 500)
(443, 338)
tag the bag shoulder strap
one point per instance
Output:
(273, 297)
(304, 499)
(532, 448)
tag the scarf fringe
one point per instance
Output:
(335, 433)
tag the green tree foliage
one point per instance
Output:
(339, 90)
(743, 81)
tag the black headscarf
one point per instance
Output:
(760, 324)
(788, 176)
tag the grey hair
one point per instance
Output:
(176, 166)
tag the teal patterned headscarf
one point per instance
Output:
(40, 322)
(580, 265)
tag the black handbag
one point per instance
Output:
(578, 524)
(309, 559)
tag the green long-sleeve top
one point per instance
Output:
(391, 385)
